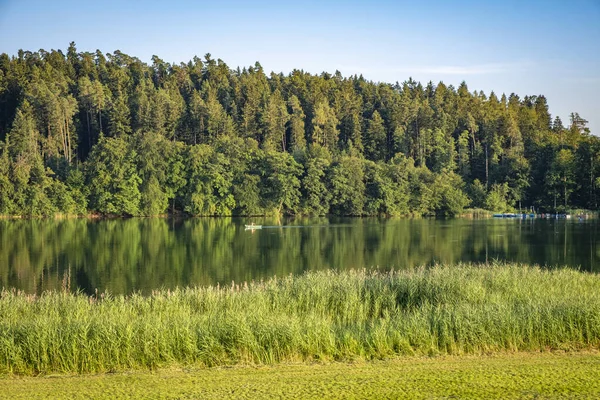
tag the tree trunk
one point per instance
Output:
(487, 174)
(565, 193)
(591, 179)
(87, 116)
(68, 140)
(63, 140)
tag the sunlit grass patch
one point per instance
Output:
(547, 375)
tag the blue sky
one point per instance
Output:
(527, 47)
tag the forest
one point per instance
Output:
(88, 133)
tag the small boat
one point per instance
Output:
(252, 227)
(507, 215)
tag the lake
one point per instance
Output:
(139, 255)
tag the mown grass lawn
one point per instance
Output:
(502, 376)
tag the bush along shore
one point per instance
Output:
(317, 316)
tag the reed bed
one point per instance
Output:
(460, 309)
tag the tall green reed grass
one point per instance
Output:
(462, 309)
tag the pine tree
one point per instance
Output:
(325, 132)
(275, 119)
(375, 138)
(296, 124)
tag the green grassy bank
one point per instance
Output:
(317, 316)
(501, 376)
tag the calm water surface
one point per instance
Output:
(139, 255)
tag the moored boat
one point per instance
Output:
(252, 227)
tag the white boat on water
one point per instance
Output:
(252, 227)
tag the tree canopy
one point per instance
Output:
(88, 132)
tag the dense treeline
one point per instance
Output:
(106, 133)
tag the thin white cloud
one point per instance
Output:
(484, 69)
(584, 80)
(463, 70)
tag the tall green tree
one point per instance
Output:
(442, 154)
(449, 197)
(296, 124)
(315, 196)
(325, 131)
(112, 177)
(281, 182)
(30, 180)
(347, 186)
(209, 190)
(6, 186)
(161, 169)
(275, 119)
(218, 123)
(375, 138)
(463, 155)
(561, 176)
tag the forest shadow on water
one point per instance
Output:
(124, 256)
